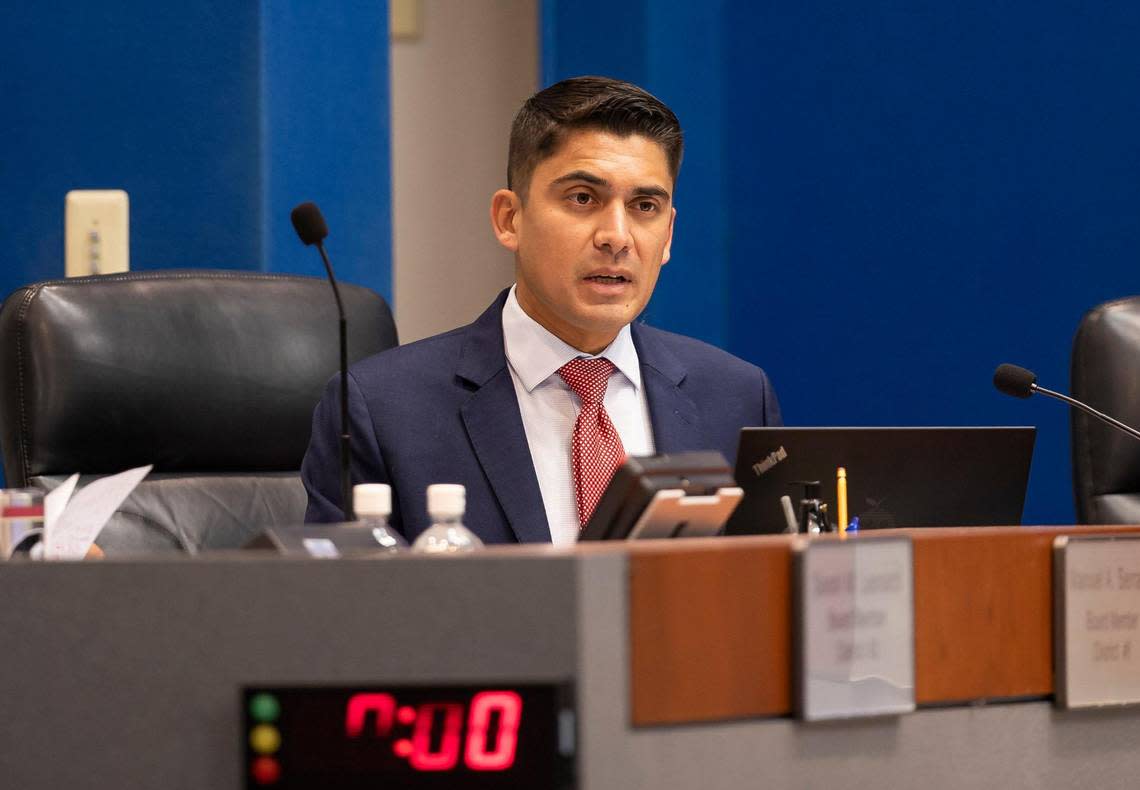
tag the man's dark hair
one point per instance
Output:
(597, 103)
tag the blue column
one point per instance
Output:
(160, 101)
(215, 116)
(325, 127)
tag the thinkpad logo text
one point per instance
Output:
(773, 458)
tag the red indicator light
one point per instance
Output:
(360, 705)
(265, 770)
(422, 758)
(402, 748)
(480, 755)
(406, 715)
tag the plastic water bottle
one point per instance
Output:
(446, 503)
(373, 505)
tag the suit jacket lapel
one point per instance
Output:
(676, 421)
(495, 429)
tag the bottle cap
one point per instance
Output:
(446, 500)
(372, 499)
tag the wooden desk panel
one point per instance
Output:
(984, 611)
(983, 615)
(710, 627)
(710, 635)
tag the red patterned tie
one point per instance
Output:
(596, 446)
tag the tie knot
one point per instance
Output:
(588, 377)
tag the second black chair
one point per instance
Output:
(1106, 375)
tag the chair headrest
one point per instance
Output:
(1105, 373)
(193, 371)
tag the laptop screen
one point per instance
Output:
(896, 477)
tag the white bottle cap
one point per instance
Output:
(372, 499)
(446, 500)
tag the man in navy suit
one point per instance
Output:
(497, 405)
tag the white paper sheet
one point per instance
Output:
(55, 502)
(88, 511)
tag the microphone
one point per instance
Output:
(1021, 383)
(311, 229)
(309, 224)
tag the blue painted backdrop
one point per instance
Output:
(881, 201)
(217, 117)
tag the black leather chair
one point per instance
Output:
(1106, 375)
(211, 376)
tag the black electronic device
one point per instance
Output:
(324, 541)
(703, 478)
(498, 736)
(896, 477)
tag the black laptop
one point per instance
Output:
(896, 477)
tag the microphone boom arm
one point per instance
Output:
(345, 439)
(1135, 434)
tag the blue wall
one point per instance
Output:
(326, 135)
(216, 117)
(900, 196)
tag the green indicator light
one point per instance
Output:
(264, 707)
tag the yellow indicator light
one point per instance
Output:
(264, 739)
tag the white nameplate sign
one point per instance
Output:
(855, 628)
(1096, 621)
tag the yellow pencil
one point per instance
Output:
(841, 498)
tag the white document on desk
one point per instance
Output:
(75, 528)
(55, 502)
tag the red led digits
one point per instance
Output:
(360, 705)
(437, 729)
(480, 756)
(422, 758)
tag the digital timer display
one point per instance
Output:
(414, 737)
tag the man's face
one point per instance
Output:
(592, 236)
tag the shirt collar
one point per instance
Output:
(535, 354)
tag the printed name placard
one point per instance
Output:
(1096, 621)
(854, 619)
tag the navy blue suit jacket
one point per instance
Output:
(443, 410)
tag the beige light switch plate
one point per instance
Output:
(405, 22)
(96, 232)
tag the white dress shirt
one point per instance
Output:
(549, 408)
